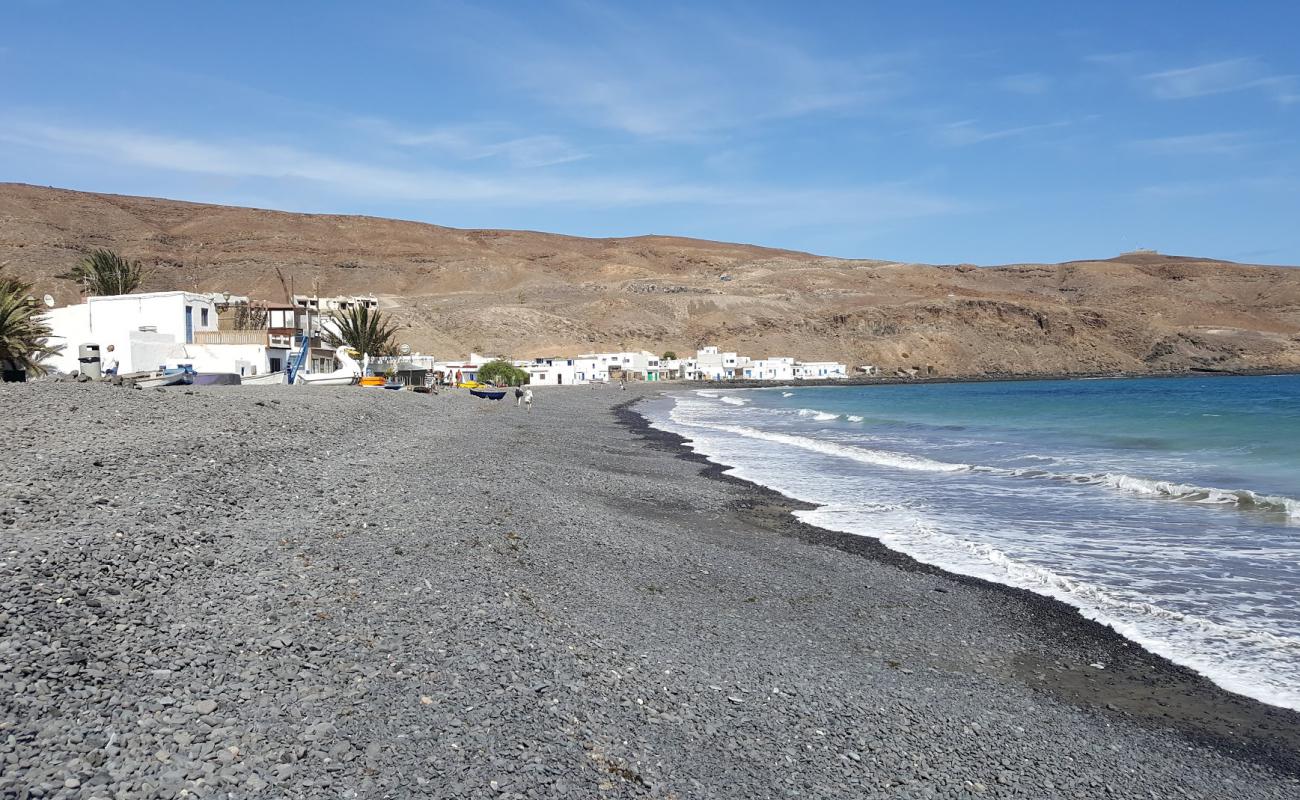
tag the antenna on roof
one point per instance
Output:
(48, 300)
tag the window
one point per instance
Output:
(203, 317)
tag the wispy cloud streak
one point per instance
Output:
(1198, 144)
(278, 163)
(1220, 77)
(967, 132)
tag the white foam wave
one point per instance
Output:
(1195, 641)
(854, 418)
(734, 401)
(703, 393)
(1239, 498)
(787, 394)
(880, 458)
(820, 416)
(1234, 653)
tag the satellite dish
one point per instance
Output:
(48, 300)
(404, 349)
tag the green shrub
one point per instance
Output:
(502, 373)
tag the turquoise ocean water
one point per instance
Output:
(1168, 509)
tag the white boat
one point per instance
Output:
(348, 373)
(269, 379)
(151, 379)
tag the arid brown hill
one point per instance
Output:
(529, 293)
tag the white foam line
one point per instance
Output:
(1185, 637)
(882, 458)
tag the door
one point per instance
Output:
(189, 324)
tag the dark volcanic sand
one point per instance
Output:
(334, 592)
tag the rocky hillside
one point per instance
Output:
(530, 293)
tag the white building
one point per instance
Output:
(459, 371)
(769, 369)
(712, 364)
(675, 369)
(161, 330)
(549, 371)
(820, 370)
(633, 364)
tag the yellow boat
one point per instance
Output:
(469, 384)
(373, 380)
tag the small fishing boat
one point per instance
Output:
(267, 379)
(373, 380)
(393, 385)
(348, 373)
(488, 394)
(151, 379)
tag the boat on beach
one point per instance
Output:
(348, 373)
(267, 379)
(152, 378)
(488, 394)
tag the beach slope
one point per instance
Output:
(295, 592)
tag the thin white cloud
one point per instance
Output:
(1027, 83)
(1112, 59)
(683, 74)
(1250, 185)
(1198, 144)
(1220, 77)
(967, 132)
(278, 163)
(476, 142)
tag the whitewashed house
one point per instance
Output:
(711, 364)
(675, 369)
(769, 369)
(551, 371)
(150, 331)
(632, 364)
(820, 370)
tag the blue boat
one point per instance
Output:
(490, 394)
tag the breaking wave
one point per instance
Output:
(881, 458)
(1240, 499)
(1244, 499)
(1199, 642)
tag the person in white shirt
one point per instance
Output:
(110, 364)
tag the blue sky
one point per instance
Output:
(985, 132)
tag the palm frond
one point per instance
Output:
(24, 336)
(104, 272)
(363, 330)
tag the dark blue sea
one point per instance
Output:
(1165, 508)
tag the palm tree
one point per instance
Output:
(363, 330)
(24, 336)
(104, 272)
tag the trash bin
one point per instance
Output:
(88, 355)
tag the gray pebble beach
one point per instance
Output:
(265, 592)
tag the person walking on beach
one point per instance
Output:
(110, 364)
(519, 397)
(528, 399)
